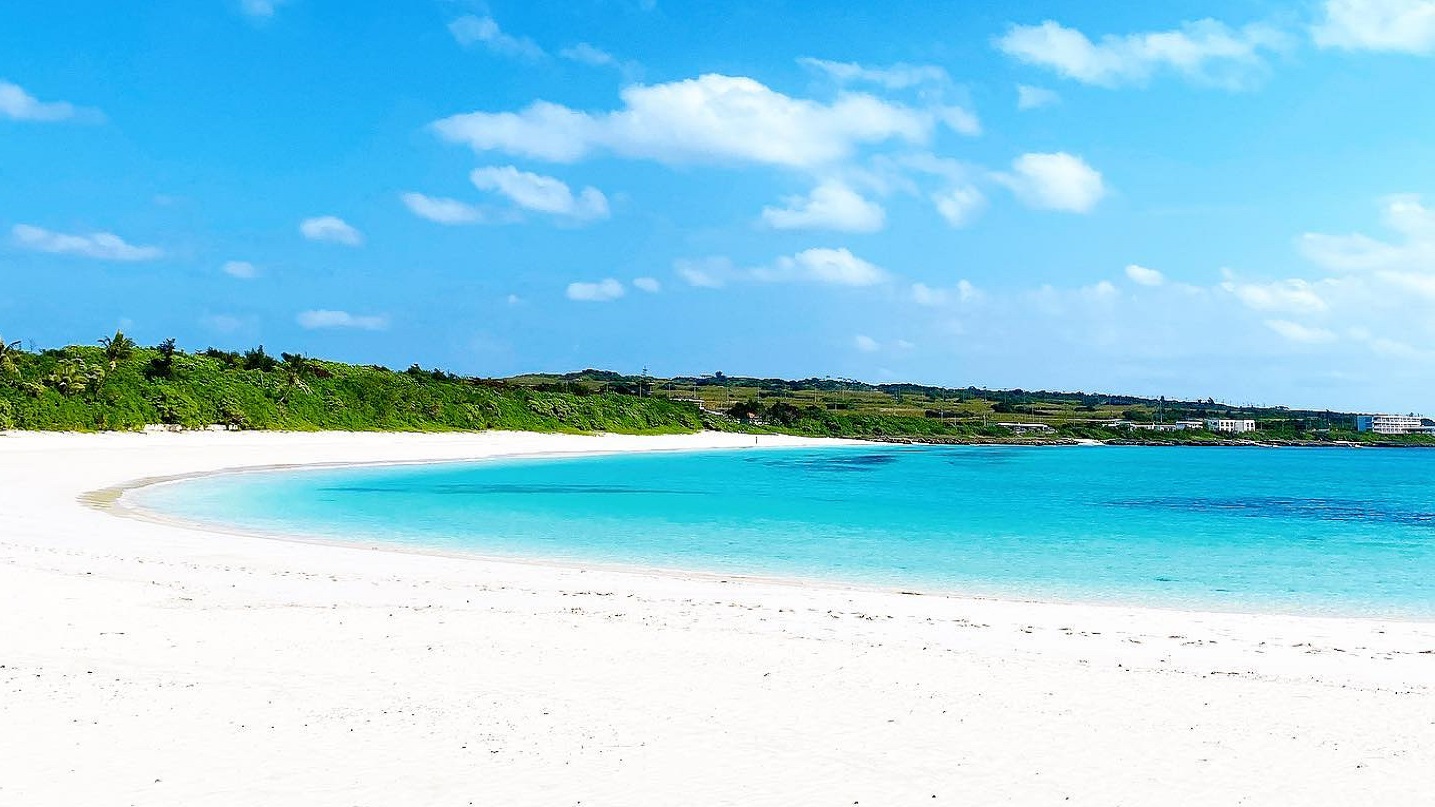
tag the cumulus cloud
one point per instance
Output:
(866, 344)
(1206, 52)
(1144, 276)
(100, 246)
(541, 194)
(712, 118)
(600, 292)
(471, 30)
(831, 206)
(17, 104)
(1029, 97)
(958, 206)
(321, 319)
(331, 229)
(838, 267)
(243, 270)
(1295, 332)
(441, 211)
(648, 284)
(1057, 181)
(1406, 26)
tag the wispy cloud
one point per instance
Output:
(835, 267)
(1029, 97)
(471, 30)
(331, 229)
(260, 9)
(1205, 52)
(100, 246)
(243, 270)
(321, 319)
(542, 194)
(1406, 26)
(441, 211)
(17, 104)
(600, 292)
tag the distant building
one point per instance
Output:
(1230, 426)
(1027, 428)
(1393, 424)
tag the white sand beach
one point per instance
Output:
(151, 664)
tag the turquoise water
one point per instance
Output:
(1331, 531)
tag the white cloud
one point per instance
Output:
(244, 270)
(706, 273)
(712, 118)
(600, 292)
(922, 294)
(1294, 295)
(474, 30)
(542, 194)
(959, 205)
(16, 104)
(1405, 215)
(835, 267)
(1029, 97)
(224, 323)
(584, 53)
(441, 211)
(331, 229)
(261, 9)
(323, 318)
(866, 344)
(1295, 332)
(892, 77)
(1406, 26)
(831, 206)
(1144, 276)
(838, 267)
(1206, 51)
(100, 246)
(648, 284)
(1057, 181)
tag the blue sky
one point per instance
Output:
(1190, 199)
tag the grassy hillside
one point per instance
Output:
(126, 387)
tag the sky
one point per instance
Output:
(1230, 199)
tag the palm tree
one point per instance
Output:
(118, 348)
(296, 368)
(8, 352)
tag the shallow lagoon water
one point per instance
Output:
(1322, 531)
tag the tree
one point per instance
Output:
(118, 348)
(162, 366)
(9, 364)
(257, 359)
(296, 368)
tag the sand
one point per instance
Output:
(154, 664)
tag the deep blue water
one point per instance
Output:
(1294, 530)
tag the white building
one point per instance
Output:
(1231, 426)
(1392, 424)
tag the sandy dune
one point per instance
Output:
(146, 664)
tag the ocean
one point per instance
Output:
(1309, 531)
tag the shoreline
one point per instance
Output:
(165, 665)
(111, 500)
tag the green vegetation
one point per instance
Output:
(118, 385)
